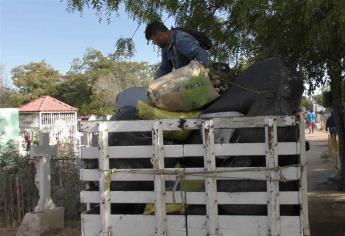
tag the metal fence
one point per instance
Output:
(19, 193)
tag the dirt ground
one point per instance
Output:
(326, 204)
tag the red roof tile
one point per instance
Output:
(47, 104)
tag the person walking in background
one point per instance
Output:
(331, 128)
(332, 139)
(311, 117)
(27, 140)
(305, 118)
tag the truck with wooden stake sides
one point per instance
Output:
(159, 187)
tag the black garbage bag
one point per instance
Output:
(130, 97)
(126, 110)
(269, 87)
(269, 79)
(269, 104)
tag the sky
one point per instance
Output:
(36, 30)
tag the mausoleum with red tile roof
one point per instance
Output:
(47, 104)
(49, 115)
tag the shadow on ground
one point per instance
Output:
(326, 203)
(327, 213)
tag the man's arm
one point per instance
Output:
(165, 67)
(188, 46)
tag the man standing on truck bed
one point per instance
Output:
(178, 46)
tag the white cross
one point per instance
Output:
(42, 179)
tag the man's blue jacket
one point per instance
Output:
(182, 48)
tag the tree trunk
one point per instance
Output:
(334, 73)
(339, 118)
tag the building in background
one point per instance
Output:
(49, 115)
(9, 125)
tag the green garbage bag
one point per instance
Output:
(147, 112)
(179, 208)
(185, 89)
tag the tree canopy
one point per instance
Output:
(94, 81)
(34, 80)
(91, 85)
(307, 34)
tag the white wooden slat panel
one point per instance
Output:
(288, 148)
(89, 175)
(140, 125)
(119, 126)
(210, 183)
(249, 149)
(252, 122)
(273, 194)
(132, 151)
(229, 225)
(291, 198)
(303, 182)
(230, 149)
(90, 152)
(179, 124)
(104, 191)
(90, 225)
(176, 124)
(144, 151)
(159, 180)
(289, 173)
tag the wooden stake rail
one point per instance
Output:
(212, 223)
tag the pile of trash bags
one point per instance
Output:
(269, 87)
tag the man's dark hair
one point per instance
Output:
(153, 27)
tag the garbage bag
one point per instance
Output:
(130, 97)
(183, 186)
(265, 81)
(178, 208)
(147, 112)
(185, 89)
(128, 138)
(126, 113)
(269, 87)
(171, 208)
